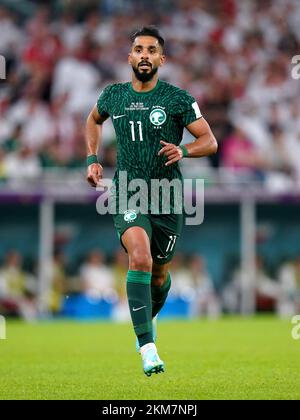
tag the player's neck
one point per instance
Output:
(139, 86)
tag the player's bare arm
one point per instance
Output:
(93, 137)
(204, 144)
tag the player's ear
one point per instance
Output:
(162, 60)
(129, 58)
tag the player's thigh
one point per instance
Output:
(166, 230)
(137, 243)
(135, 236)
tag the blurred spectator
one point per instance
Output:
(180, 279)
(266, 289)
(69, 30)
(240, 155)
(81, 88)
(33, 114)
(17, 288)
(2, 165)
(192, 283)
(22, 164)
(280, 157)
(205, 300)
(97, 278)
(14, 142)
(289, 288)
(40, 55)
(281, 173)
(58, 283)
(11, 35)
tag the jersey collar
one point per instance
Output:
(144, 93)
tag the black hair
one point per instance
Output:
(149, 31)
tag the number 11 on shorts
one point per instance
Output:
(171, 243)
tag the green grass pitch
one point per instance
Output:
(230, 358)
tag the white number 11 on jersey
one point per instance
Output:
(139, 123)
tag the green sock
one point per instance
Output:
(139, 299)
(159, 295)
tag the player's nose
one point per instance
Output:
(145, 55)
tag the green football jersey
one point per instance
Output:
(141, 121)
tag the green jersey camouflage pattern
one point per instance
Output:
(141, 121)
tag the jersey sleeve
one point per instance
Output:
(103, 102)
(188, 109)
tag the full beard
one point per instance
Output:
(144, 76)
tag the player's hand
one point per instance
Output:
(94, 174)
(171, 151)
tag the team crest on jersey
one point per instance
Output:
(130, 216)
(158, 116)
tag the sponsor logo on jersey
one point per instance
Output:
(130, 216)
(158, 116)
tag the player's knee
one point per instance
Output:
(140, 260)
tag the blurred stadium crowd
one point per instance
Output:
(99, 280)
(233, 56)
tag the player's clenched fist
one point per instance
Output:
(171, 151)
(94, 174)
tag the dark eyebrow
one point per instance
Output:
(150, 46)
